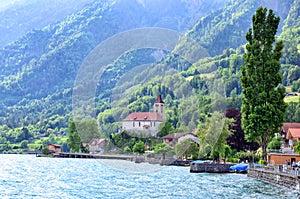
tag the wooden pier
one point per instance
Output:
(92, 156)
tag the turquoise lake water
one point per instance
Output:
(25, 176)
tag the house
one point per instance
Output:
(54, 148)
(96, 145)
(174, 138)
(282, 158)
(147, 122)
(291, 134)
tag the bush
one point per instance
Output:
(263, 162)
(139, 147)
(233, 160)
(46, 150)
(297, 147)
(275, 143)
(247, 156)
(127, 149)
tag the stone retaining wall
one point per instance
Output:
(210, 168)
(276, 178)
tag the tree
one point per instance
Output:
(165, 128)
(263, 107)
(212, 136)
(74, 141)
(24, 144)
(237, 139)
(275, 143)
(87, 130)
(187, 148)
(163, 149)
(297, 147)
(139, 147)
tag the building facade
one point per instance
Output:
(147, 122)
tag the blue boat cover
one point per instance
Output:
(239, 167)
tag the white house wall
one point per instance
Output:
(140, 126)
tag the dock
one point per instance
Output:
(209, 168)
(93, 156)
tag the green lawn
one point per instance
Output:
(289, 99)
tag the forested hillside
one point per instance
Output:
(37, 71)
(21, 16)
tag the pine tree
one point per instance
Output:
(263, 108)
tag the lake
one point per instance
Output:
(27, 176)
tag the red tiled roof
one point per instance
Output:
(159, 99)
(295, 132)
(144, 116)
(286, 126)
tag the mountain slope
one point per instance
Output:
(38, 70)
(21, 16)
(227, 26)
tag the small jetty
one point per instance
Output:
(92, 156)
(200, 166)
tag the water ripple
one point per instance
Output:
(24, 176)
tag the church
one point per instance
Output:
(147, 122)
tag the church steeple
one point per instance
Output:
(158, 106)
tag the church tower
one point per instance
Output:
(158, 106)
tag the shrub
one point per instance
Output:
(247, 156)
(275, 143)
(233, 160)
(263, 162)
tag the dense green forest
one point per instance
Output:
(201, 74)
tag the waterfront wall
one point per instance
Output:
(276, 178)
(210, 168)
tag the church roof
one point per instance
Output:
(144, 116)
(159, 99)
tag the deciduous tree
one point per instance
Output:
(263, 107)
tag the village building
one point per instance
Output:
(96, 145)
(147, 122)
(282, 158)
(174, 138)
(290, 133)
(54, 149)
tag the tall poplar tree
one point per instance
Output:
(74, 141)
(263, 107)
